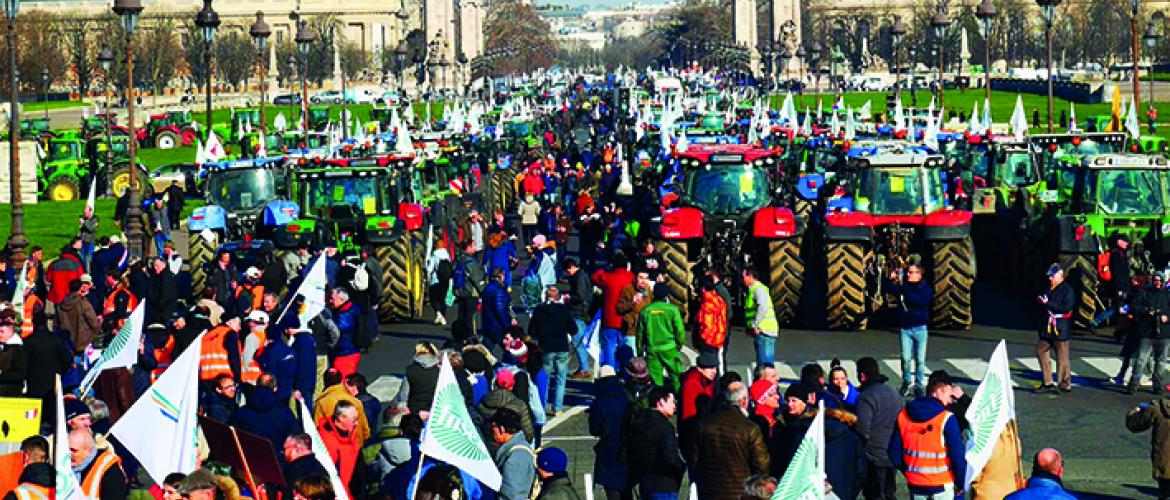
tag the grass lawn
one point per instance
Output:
(154, 158)
(50, 225)
(51, 105)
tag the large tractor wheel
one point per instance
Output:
(846, 306)
(678, 272)
(63, 188)
(802, 208)
(188, 136)
(416, 277)
(1081, 273)
(395, 261)
(785, 277)
(954, 275)
(166, 139)
(119, 179)
(200, 251)
(496, 202)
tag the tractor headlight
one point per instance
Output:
(1166, 228)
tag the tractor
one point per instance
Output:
(1097, 198)
(1005, 175)
(168, 130)
(724, 215)
(891, 212)
(72, 164)
(360, 202)
(35, 128)
(98, 123)
(246, 200)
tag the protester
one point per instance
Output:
(607, 415)
(76, 315)
(1055, 331)
(652, 448)
(265, 415)
(1045, 483)
(98, 472)
(497, 310)
(878, 406)
(37, 479)
(418, 386)
(612, 282)
(661, 335)
(223, 402)
(340, 436)
(727, 448)
(927, 445)
(299, 460)
(14, 366)
(914, 294)
(760, 317)
(579, 298)
(514, 457)
(552, 326)
(344, 356)
(1151, 324)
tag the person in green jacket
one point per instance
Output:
(660, 337)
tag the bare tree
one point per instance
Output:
(235, 57)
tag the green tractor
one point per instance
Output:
(318, 118)
(1092, 200)
(97, 125)
(359, 202)
(35, 128)
(1005, 175)
(71, 164)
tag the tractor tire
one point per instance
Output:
(1081, 272)
(802, 208)
(395, 261)
(416, 276)
(954, 275)
(200, 251)
(846, 293)
(678, 272)
(167, 139)
(785, 277)
(188, 136)
(496, 200)
(118, 180)
(63, 188)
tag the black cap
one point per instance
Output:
(708, 360)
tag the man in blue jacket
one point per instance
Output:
(497, 310)
(914, 296)
(927, 445)
(1047, 471)
(265, 415)
(279, 358)
(344, 355)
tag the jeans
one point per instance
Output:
(556, 364)
(948, 493)
(765, 349)
(914, 347)
(580, 346)
(87, 255)
(609, 341)
(1147, 348)
(160, 239)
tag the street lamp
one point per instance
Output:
(45, 85)
(1133, 24)
(106, 61)
(305, 38)
(897, 32)
(16, 242)
(1151, 37)
(801, 57)
(785, 57)
(292, 67)
(333, 45)
(128, 11)
(986, 12)
(400, 65)
(939, 22)
(1048, 8)
(207, 20)
(260, 33)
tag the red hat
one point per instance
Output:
(761, 389)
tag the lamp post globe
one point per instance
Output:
(897, 32)
(304, 40)
(939, 23)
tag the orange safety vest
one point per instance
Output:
(29, 491)
(29, 310)
(164, 356)
(924, 450)
(91, 486)
(257, 292)
(213, 361)
(111, 304)
(251, 372)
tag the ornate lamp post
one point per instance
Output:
(400, 65)
(1048, 8)
(127, 11)
(986, 13)
(106, 61)
(45, 92)
(260, 33)
(939, 22)
(305, 38)
(333, 45)
(801, 58)
(292, 67)
(897, 32)
(1135, 33)
(785, 57)
(207, 20)
(16, 242)
(1151, 37)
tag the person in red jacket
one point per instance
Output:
(63, 271)
(612, 281)
(343, 446)
(695, 393)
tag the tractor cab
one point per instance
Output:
(727, 181)
(1004, 175)
(1051, 149)
(244, 197)
(35, 128)
(318, 117)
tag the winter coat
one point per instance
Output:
(660, 328)
(40, 474)
(844, 454)
(712, 320)
(47, 356)
(279, 359)
(557, 487)
(1148, 306)
(267, 416)
(75, 315)
(631, 309)
(580, 296)
(695, 393)
(373, 410)
(303, 467)
(1154, 416)
(529, 212)
(343, 450)
(61, 273)
(727, 449)
(497, 310)
(163, 299)
(305, 380)
(1061, 301)
(921, 410)
(499, 258)
(877, 417)
(612, 282)
(495, 400)
(652, 453)
(552, 326)
(346, 318)
(517, 463)
(606, 415)
(418, 385)
(394, 449)
(13, 367)
(327, 401)
(219, 408)
(88, 229)
(1042, 487)
(914, 307)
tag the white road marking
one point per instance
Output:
(385, 387)
(560, 419)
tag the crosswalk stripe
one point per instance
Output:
(1108, 366)
(385, 387)
(969, 368)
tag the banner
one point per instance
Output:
(805, 477)
(19, 419)
(322, 453)
(452, 437)
(122, 351)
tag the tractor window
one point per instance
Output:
(64, 151)
(727, 190)
(241, 189)
(360, 193)
(1130, 192)
(1016, 169)
(902, 191)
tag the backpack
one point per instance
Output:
(1103, 270)
(361, 278)
(462, 284)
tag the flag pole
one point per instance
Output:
(247, 470)
(417, 475)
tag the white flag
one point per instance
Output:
(200, 153)
(805, 477)
(18, 294)
(214, 150)
(451, 436)
(992, 407)
(313, 291)
(122, 351)
(1072, 117)
(866, 111)
(262, 147)
(160, 429)
(899, 114)
(321, 452)
(594, 339)
(89, 202)
(67, 487)
(1132, 125)
(402, 143)
(280, 123)
(986, 115)
(682, 144)
(1019, 121)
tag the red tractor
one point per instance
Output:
(725, 214)
(168, 130)
(893, 212)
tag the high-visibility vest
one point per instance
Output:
(111, 304)
(213, 361)
(768, 323)
(28, 312)
(91, 485)
(257, 292)
(29, 491)
(251, 372)
(163, 356)
(924, 450)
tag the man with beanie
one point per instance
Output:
(877, 415)
(698, 387)
(660, 336)
(552, 467)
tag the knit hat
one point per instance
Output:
(798, 391)
(708, 360)
(552, 460)
(505, 379)
(476, 359)
(1053, 269)
(517, 348)
(761, 389)
(636, 369)
(75, 408)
